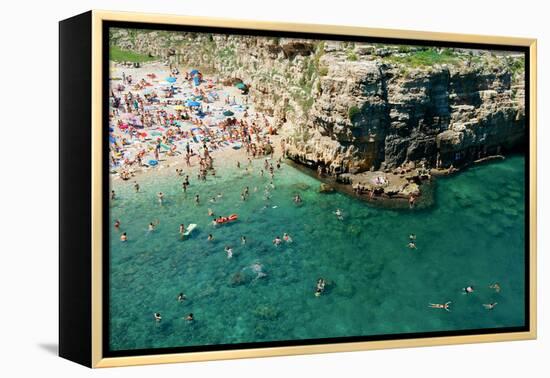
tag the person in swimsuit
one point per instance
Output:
(190, 317)
(468, 289)
(490, 306)
(117, 224)
(320, 288)
(496, 287)
(157, 316)
(442, 306)
(181, 297)
(229, 252)
(136, 186)
(123, 237)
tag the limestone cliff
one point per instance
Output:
(353, 107)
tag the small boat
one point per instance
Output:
(190, 229)
(222, 220)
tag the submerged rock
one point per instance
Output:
(326, 188)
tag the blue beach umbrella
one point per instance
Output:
(193, 103)
(171, 79)
(193, 72)
(228, 113)
(240, 85)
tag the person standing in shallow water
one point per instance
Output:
(136, 186)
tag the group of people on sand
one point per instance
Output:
(147, 119)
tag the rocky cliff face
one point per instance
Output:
(352, 107)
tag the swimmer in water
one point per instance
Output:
(287, 238)
(181, 297)
(210, 237)
(496, 287)
(123, 237)
(190, 317)
(210, 213)
(229, 252)
(220, 195)
(160, 196)
(277, 241)
(151, 227)
(320, 288)
(490, 306)
(197, 199)
(339, 214)
(157, 316)
(182, 229)
(468, 289)
(136, 186)
(297, 199)
(113, 195)
(243, 240)
(444, 306)
(412, 237)
(117, 224)
(411, 245)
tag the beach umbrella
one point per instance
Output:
(193, 72)
(228, 113)
(193, 103)
(179, 107)
(171, 79)
(240, 85)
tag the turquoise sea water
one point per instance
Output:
(474, 235)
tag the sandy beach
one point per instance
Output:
(149, 95)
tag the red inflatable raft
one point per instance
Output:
(222, 220)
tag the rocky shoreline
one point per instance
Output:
(375, 118)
